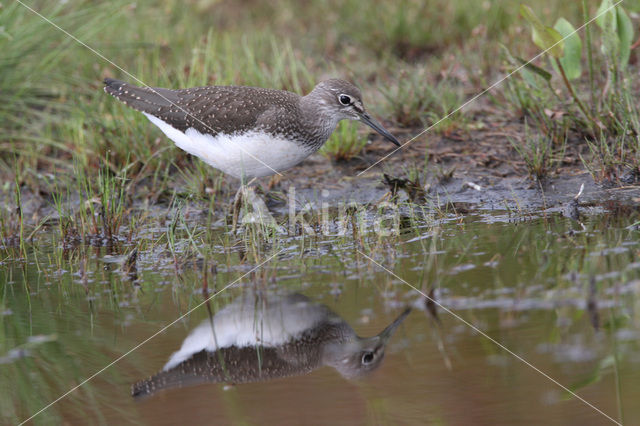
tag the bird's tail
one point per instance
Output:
(153, 384)
(175, 378)
(145, 99)
(193, 371)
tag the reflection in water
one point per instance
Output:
(261, 336)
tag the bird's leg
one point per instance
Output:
(235, 209)
(275, 180)
(238, 200)
(257, 211)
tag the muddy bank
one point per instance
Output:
(480, 170)
(477, 170)
(478, 192)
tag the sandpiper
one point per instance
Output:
(264, 336)
(248, 132)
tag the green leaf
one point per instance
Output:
(546, 38)
(625, 35)
(527, 76)
(571, 60)
(606, 19)
(535, 69)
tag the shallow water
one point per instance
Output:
(562, 295)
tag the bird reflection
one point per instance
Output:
(263, 336)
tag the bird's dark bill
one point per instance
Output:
(386, 334)
(373, 123)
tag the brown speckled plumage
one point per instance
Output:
(248, 132)
(237, 109)
(236, 365)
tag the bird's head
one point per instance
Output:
(343, 101)
(360, 356)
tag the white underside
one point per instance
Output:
(251, 321)
(252, 154)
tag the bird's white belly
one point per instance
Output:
(252, 154)
(248, 322)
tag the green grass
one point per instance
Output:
(539, 152)
(418, 100)
(345, 143)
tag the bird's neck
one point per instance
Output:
(318, 117)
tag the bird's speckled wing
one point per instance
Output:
(209, 110)
(230, 365)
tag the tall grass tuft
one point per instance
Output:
(345, 143)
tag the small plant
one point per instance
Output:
(537, 151)
(104, 207)
(563, 45)
(597, 103)
(614, 159)
(345, 143)
(12, 224)
(112, 202)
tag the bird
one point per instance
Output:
(265, 335)
(248, 132)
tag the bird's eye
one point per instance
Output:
(344, 99)
(367, 358)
